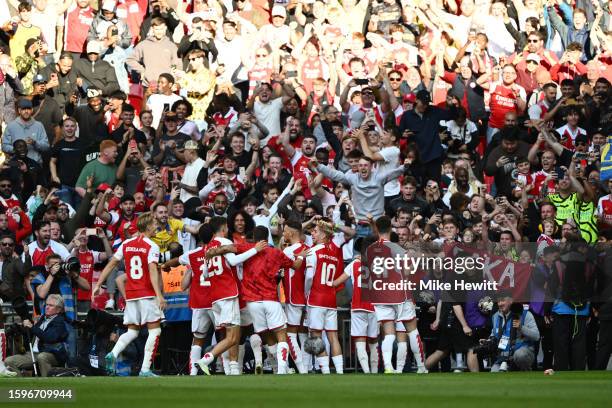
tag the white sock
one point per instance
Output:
(362, 356)
(402, 353)
(307, 357)
(323, 363)
(208, 358)
(149, 349)
(282, 357)
(255, 341)
(225, 361)
(240, 357)
(459, 360)
(124, 340)
(296, 352)
(387, 351)
(416, 345)
(272, 357)
(374, 358)
(2, 349)
(194, 355)
(234, 368)
(338, 363)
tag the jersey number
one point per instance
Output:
(328, 271)
(215, 265)
(203, 281)
(136, 270)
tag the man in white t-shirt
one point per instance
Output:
(163, 100)
(386, 155)
(267, 109)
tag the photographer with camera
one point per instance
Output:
(513, 337)
(57, 277)
(49, 333)
(11, 290)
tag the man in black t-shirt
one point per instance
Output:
(67, 161)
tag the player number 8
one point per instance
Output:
(136, 271)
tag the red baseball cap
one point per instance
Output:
(103, 187)
(409, 98)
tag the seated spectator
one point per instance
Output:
(49, 334)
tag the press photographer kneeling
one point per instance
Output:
(513, 337)
(49, 334)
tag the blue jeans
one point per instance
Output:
(71, 344)
(69, 195)
(490, 133)
(362, 230)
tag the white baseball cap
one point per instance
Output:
(279, 11)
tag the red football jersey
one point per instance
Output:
(326, 260)
(87, 259)
(137, 253)
(386, 249)
(293, 281)
(199, 293)
(222, 277)
(503, 100)
(259, 274)
(354, 271)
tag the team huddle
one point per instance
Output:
(234, 289)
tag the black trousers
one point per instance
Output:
(546, 342)
(569, 342)
(604, 344)
(433, 170)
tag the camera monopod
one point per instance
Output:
(29, 338)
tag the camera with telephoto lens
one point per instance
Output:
(70, 265)
(16, 330)
(487, 348)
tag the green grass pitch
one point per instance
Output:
(576, 389)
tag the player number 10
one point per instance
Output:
(328, 271)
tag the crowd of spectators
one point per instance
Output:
(466, 121)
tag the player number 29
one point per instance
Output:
(215, 265)
(136, 271)
(328, 271)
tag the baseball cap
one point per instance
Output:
(103, 187)
(93, 47)
(190, 145)
(409, 98)
(29, 43)
(423, 96)
(24, 104)
(93, 93)
(279, 11)
(533, 57)
(38, 78)
(109, 5)
(171, 116)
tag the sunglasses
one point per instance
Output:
(532, 62)
(7, 244)
(5, 186)
(532, 41)
(397, 79)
